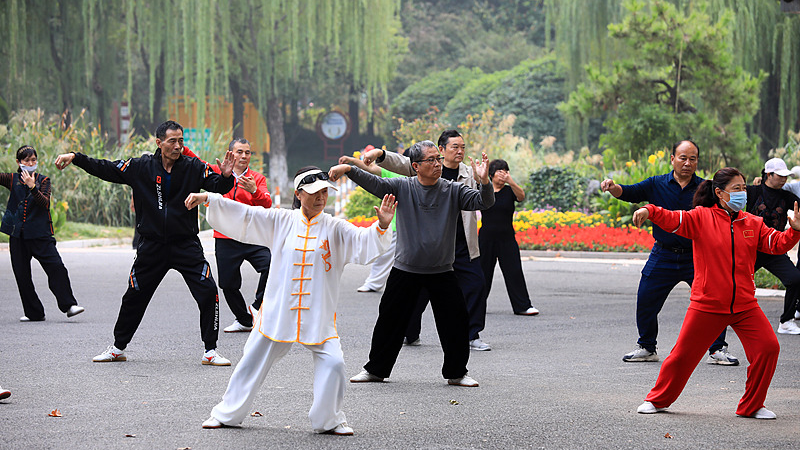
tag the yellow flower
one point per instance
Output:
(629, 163)
(357, 154)
(651, 159)
(660, 154)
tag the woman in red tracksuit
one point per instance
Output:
(725, 240)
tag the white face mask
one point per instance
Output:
(29, 169)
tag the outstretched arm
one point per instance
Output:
(112, 171)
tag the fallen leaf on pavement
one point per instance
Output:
(55, 413)
(454, 402)
(668, 436)
(130, 435)
(256, 414)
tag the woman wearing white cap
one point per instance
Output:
(309, 251)
(772, 203)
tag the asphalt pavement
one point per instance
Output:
(553, 381)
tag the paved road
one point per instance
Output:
(551, 381)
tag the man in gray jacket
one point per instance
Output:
(427, 216)
(466, 265)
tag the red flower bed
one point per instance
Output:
(600, 238)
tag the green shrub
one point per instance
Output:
(360, 203)
(557, 187)
(766, 280)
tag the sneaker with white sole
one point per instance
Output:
(528, 312)
(365, 288)
(4, 393)
(74, 310)
(788, 327)
(641, 354)
(415, 343)
(212, 423)
(648, 408)
(465, 381)
(479, 345)
(236, 327)
(764, 413)
(340, 430)
(722, 357)
(28, 319)
(111, 354)
(366, 377)
(211, 358)
(797, 315)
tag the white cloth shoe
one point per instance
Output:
(479, 345)
(366, 377)
(212, 423)
(648, 408)
(764, 413)
(236, 327)
(111, 354)
(211, 358)
(365, 288)
(74, 310)
(788, 327)
(528, 312)
(465, 381)
(340, 430)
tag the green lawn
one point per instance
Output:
(72, 231)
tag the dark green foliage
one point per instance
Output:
(435, 90)
(558, 187)
(360, 203)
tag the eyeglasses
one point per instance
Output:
(432, 160)
(308, 179)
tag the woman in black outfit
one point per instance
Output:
(497, 239)
(29, 226)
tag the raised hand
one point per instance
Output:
(336, 172)
(226, 166)
(63, 160)
(794, 221)
(371, 156)
(195, 200)
(481, 171)
(386, 211)
(642, 214)
(248, 184)
(28, 179)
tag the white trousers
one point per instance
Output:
(381, 268)
(259, 354)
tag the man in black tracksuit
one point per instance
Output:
(161, 182)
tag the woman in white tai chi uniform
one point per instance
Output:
(309, 251)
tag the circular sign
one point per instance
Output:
(334, 125)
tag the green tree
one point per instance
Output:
(679, 79)
(435, 90)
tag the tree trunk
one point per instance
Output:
(278, 168)
(352, 111)
(238, 109)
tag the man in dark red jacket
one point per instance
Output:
(249, 188)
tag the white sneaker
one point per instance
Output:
(788, 327)
(211, 358)
(797, 315)
(212, 423)
(641, 354)
(528, 312)
(28, 319)
(648, 408)
(465, 381)
(722, 357)
(415, 343)
(4, 393)
(111, 354)
(340, 430)
(479, 345)
(366, 377)
(764, 413)
(74, 310)
(365, 288)
(236, 327)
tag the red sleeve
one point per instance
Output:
(682, 223)
(774, 242)
(191, 154)
(261, 197)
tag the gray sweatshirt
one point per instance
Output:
(426, 217)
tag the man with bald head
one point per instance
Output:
(670, 260)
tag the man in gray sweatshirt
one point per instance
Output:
(427, 212)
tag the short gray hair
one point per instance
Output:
(235, 141)
(415, 153)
